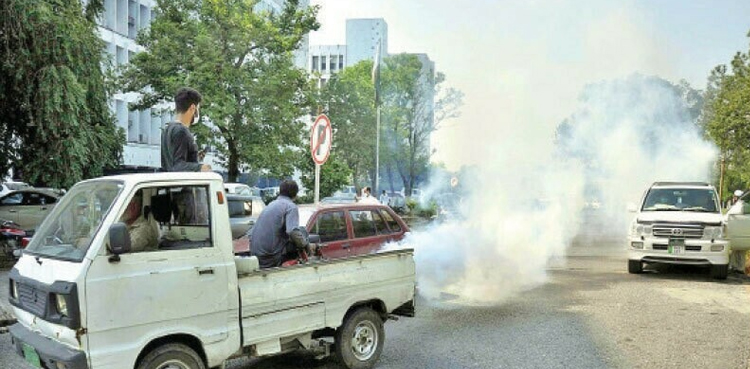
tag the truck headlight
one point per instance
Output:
(62, 305)
(713, 232)
(641, 229)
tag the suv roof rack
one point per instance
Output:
(681, 183)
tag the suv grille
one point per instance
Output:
(678, 230)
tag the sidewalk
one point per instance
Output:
(6, 316)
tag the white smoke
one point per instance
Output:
(524, 202)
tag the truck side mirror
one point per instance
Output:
(314, 238)
(119, 239)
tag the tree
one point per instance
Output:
(241, 61)
(55, 123)
(351, 108)
(415, 103)
(726, 118)
(333, 175)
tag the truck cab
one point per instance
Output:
(100, 288)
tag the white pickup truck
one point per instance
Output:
(85, 297)
(682, 223)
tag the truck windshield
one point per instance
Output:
(67, 232)
(681, 199)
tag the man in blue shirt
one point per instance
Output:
(275, 238)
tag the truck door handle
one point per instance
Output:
(346, 246)
(11, 211)
(44, 208)
(206, 271)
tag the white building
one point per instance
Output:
(325, 60)
(119, 25)
(362, 38)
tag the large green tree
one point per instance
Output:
(241, 60)
(726, 118)
(333, 175)
(55, 123)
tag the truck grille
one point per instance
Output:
(678, 231)
(33, 300)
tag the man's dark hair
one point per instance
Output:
(186, 97)
(288, 188)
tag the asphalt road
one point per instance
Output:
(591, 314)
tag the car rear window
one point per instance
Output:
(331, 226)
(363, 223)
(380, 225)
(392, 223)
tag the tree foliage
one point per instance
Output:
(241, 60)
(55, 123)
(333, 175)
(726, 118)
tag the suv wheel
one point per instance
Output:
(635, 267)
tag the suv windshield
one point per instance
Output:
(67, 232)
(681, 199)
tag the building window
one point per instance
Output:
(333, 62)
(122, 56)
(341, 62)
(322, 63)
(315, 63)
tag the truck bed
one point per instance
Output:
(287, 301)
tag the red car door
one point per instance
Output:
(332, 227)
(369, 231)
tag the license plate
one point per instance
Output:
(29, 353)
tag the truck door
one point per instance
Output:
(175, 281)
(738, 226)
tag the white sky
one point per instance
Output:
(522, 64)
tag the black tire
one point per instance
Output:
(365, 325)
(719, 271)
(635, 267)
(183, 356)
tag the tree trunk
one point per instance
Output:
(233, 164)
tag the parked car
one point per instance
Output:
(241, 189)
(340, 199)
(27, 208)
(8, 187)
(397, 202)
(347, 229)
(243, 213)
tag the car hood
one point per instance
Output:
(679, 217)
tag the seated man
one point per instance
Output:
(144, 233)
(275, 238)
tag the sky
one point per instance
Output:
(522, 64)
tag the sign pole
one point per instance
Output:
(317, 184)
(377, 154)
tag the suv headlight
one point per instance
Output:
(62, 305)
(641, 229)
(713, 232)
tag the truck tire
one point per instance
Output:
(359, 341)
(635, 267)
(172, 356)
(719, 271)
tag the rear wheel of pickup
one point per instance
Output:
(172, 356)
(719, 271)
(635, 267)
(359, 341)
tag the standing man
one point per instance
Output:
(179, 153)
(275, 237)
(384, 198)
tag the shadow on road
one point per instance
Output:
(690, 273)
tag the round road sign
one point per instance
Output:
(321, 138)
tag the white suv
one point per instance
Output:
(679, 223)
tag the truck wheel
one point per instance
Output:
(719, 271)
(172, 356)
(635, 267)
(359, 341)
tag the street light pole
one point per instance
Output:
(377, 151)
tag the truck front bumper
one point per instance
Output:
(696, 251)
(51, 354)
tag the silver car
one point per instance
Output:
(27, 208)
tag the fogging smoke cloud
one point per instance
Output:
(524, 203)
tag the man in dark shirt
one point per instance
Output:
(179, 153)
(275, 238)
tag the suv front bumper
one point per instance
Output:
(696, 251)
(50, 352)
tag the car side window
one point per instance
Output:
(363, 224)
(240, 208)
(380, 225)
(183, 215)
(331, 226)
(392, 223)
(31, 198)
(12, 199)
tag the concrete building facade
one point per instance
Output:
(362, 38)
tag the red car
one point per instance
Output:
(347, 229)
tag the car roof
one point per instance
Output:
(34, 190)
(341, 206)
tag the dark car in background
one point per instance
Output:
(347, 229)
(243, 213)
